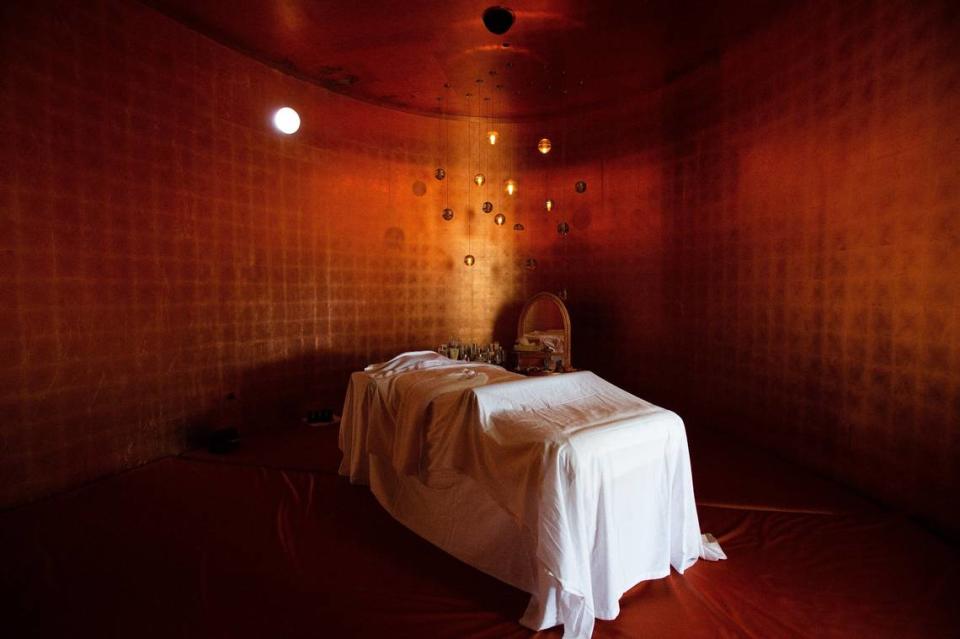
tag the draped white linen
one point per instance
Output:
(594, 482)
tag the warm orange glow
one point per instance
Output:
(69, 184)
(469, 260)
(826, 238)
(479, 178)
(510, 186)
(493, 136)
(544, 146)
(500, 219)
(548, 205)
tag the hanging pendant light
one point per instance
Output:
(500, 219)
(580, 186)
(510, 186)
(563, 228)
(447, 214)
(518, 227)
(440, 173)
(479, 178)
(469, 260)
(493, 136)
(548, 205)
(544, 145)
(487, 207)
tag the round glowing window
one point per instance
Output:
(286, 120)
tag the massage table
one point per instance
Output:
(564, 486)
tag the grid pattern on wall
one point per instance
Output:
(164, 246)
(817, 242)
(780, 257)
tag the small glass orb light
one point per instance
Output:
(479, 178)
(286, 120)
(493, 136)
(530, 264)
(563, 228)
(500, 219)
(518, 227)
(487, 207)
(548, 205)
(440, 173)
(448, 214)
(469, 260)
(580, 186)
(510, 186)
(544, 145)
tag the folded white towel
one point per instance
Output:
(710, 548)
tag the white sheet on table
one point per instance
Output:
(405, 362)
(572, 458)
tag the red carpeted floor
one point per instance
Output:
(268, 542)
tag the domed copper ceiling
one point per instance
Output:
(558, 55)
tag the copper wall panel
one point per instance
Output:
(163, 246)
(769, 245)
(818, 245)
(772, 246)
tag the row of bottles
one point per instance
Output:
(492, 353)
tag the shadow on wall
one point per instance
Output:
(505, 324)
(277, 395)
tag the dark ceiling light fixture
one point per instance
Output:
(498, 20)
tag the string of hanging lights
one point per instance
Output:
(469, 258)
(500, 219)
(479, 177)
(441, 173)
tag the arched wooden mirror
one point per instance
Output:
(543, 334)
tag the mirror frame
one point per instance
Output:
(550, 297)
